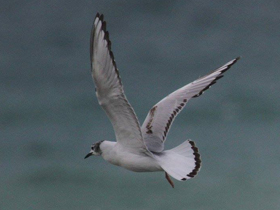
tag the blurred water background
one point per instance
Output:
(49, 114)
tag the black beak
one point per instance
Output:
(89, 154)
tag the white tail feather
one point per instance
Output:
(182, 162)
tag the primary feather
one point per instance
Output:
(142, 149)
(160, 118)
(109, 89)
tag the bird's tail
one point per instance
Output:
(182, 162)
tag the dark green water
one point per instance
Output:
(49, 114)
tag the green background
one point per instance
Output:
(49, 114)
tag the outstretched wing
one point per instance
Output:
(109, 89)
(159, 119)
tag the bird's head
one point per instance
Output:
(95, 149)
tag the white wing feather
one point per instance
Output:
(159, 119)
(109, 89)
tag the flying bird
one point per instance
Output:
(141, 148)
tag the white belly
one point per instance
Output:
(132, 161)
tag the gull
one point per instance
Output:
(141, 149)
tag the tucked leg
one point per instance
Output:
(169, 180)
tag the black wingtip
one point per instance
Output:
(106, 36)
(104, 26)
(101, 17)
(234, 61)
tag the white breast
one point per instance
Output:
(118, 155)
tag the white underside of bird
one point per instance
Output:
(141, 149)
